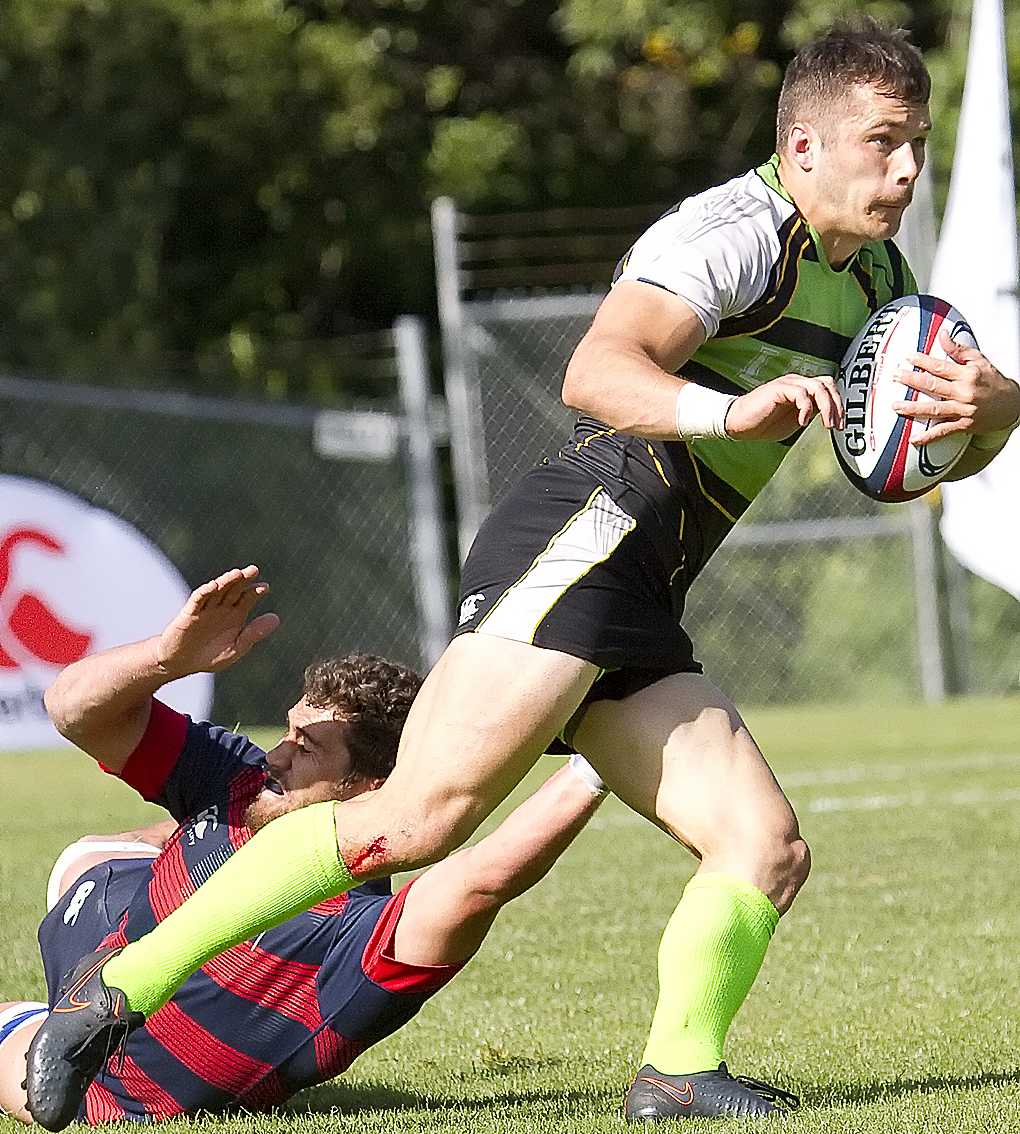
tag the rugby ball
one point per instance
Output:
(874, 448)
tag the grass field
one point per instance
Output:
(888, 1000)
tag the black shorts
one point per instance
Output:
(91, 909)
(559, 564)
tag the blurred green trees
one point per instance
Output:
(189, 179)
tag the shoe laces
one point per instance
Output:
(769, 1092)
(116, 1056)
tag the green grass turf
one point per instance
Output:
(888, 999)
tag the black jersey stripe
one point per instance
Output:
(724, 497)
(896, 263)
(792, 439)
(695, 371)
(806, 338)
(863, 277)
(795, 239)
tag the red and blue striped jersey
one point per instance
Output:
(291, 1008)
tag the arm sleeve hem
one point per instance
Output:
(150, 764)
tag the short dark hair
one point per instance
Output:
(373, 697)
(857, 51)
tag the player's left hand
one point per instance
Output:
(212, 630)
(976, 398)
(776, 409)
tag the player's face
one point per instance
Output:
(310, 764)
(867, 163)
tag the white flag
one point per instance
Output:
(918, 233)
(976, 270)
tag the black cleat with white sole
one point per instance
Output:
(705, 1094)
(87, 1025)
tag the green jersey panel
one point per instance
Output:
(802, 324)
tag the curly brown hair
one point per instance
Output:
(858, 50)
(373, 696)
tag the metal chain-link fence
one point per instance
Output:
(216, 484)
(518, 348)
(819, 593)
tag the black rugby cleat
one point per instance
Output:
(87, 1025)
(705, 1094)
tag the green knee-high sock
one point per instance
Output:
(289, 866)
(710, 953)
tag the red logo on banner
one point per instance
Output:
(30, 624)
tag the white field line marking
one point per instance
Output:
(971, 797)
(881, 773)
(914, 772)
(934, 766)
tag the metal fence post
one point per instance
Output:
(926, 589)
(467, 451)
(958, 620)
(428, 540)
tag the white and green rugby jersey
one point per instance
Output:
(753, 269)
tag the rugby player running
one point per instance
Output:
(716, 346)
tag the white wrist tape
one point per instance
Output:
(701, 412)
(586, 773)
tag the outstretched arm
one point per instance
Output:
(102, 702)
(452, 906)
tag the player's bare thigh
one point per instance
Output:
(678, 753)
(12, 1067)
(485, 713)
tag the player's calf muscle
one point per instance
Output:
(790, 874)
(375, 841)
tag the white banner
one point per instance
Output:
(74, 579)
(976, 270)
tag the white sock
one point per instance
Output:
(18, 1015)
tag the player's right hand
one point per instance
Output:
(775, 410)
(212, 631)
